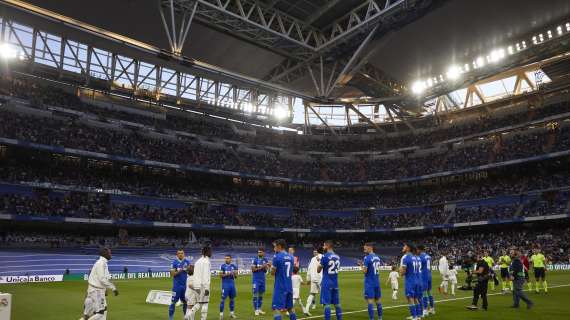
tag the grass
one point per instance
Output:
(64, 300)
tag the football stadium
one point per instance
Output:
(284, 159)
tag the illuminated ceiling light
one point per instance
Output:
(510, 50)
(480, 62)
(549, 33)
(441, 77)
(429, 82)
(7, 51)
(496, 55)
(418, 87)
(466, 67)
(534, 40)
(541, 37)
(453, 72)
(568, 26)
(559, 30)
(280, 113)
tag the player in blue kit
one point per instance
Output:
(427, 299)
(259, 267)
(410, 269)
(179, 275)
(282, 270)
(371, 269)
(330, 265)
(228, 273)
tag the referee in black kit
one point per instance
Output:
(480, 290)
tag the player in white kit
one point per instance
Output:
(393, 280)
(452, 276)
(443, 268)
(95, 305)
(192, 295)
(314, 277)
(201, 284)
(297, 282)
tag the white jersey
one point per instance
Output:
(297, 281)
(312, 274)
(202, 278)
(452, 274)
(99, 275)
(393, 276)
(99, 282)
(191, 294)
(443, 266)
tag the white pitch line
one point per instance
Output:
(437, 301)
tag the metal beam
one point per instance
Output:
(319, 13)
(367, 119)
(322, 120)
(352, 59)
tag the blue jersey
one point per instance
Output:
(179, 281)
(283, 264)
(413, 267)
(426, 266)
(372, 275)
(259, 275)
(331, 265)
(228, 281)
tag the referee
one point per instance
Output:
(480, 290)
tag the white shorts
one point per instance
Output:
(296, 293)
(95, 301)
(395, 285)
(315, 287)
(192, 297)
(203, 298)
(453, 280)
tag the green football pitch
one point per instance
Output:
(64, 300)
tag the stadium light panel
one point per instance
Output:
(453, 73)
(280, 112)
(418, 87)
(559, 30)
(7, 51)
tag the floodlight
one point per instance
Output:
(559, 30)
(480, 62)
(418, 87)
(280, 113)
(453, 72)
(7, 51)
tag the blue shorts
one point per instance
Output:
(419, 290)
(282, 301)
(179, 293)
(426, 285)
(258, 287)
(372, 292)
(329, 296)
(413, 289)
(228, 292)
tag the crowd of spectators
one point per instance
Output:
(554, 242)
(134, 144)
(45, 96)
(188, 188)
(101, 206)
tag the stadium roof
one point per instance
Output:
(450, 31)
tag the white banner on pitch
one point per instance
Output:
(159, 297)
(5, 306)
